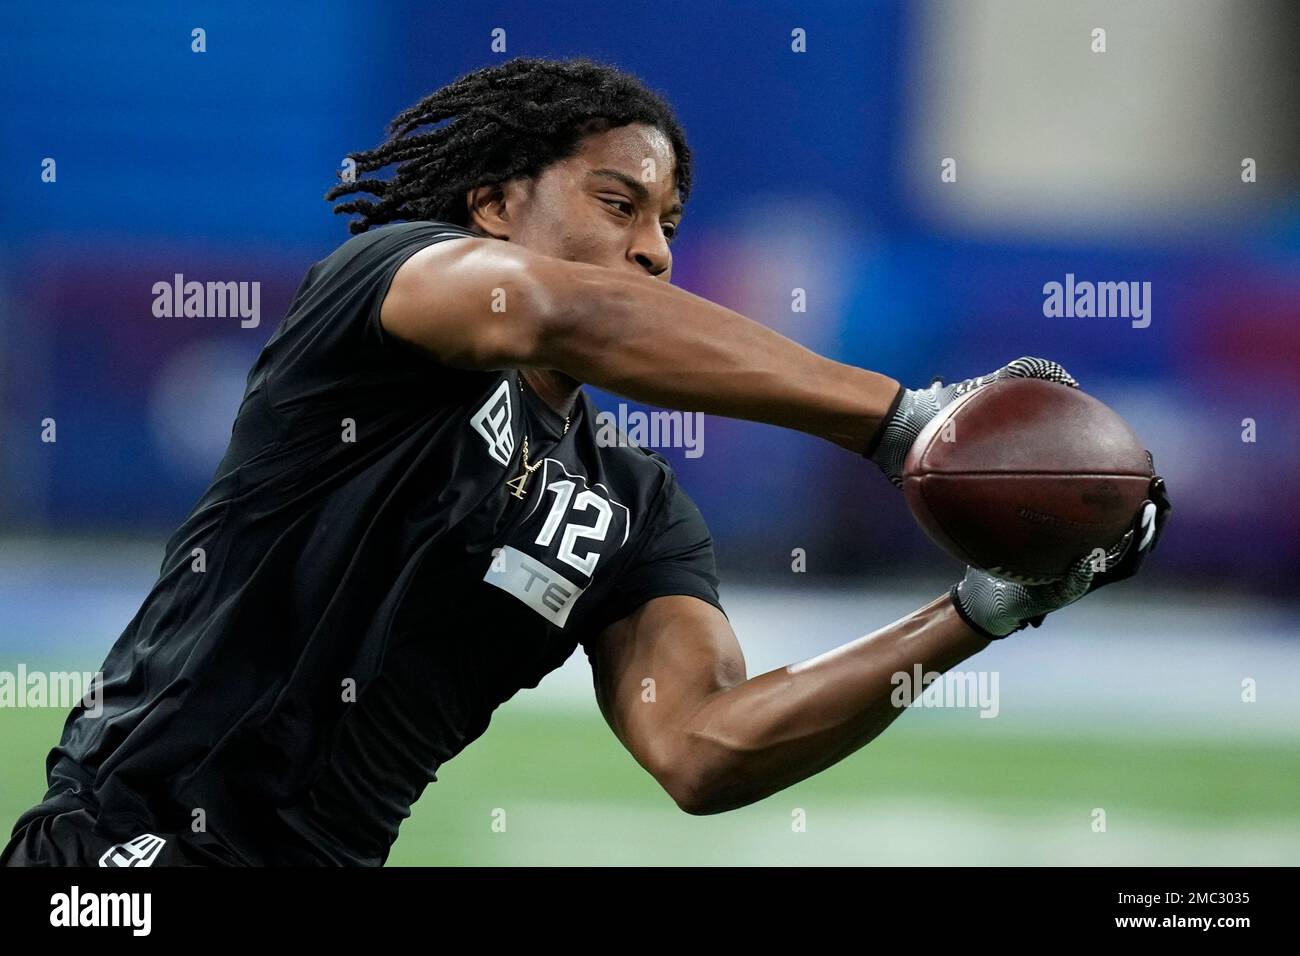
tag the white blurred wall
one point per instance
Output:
(1053, 138)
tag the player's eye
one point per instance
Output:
(670, 231)
(620, 202)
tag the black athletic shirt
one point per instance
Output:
(359, 589)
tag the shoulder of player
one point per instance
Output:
(366, 249)
(634, 456)
(643, 465)
(393, 235)
(613, 441)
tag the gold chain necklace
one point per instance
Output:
(517, 483)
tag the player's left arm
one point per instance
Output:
(671, 681)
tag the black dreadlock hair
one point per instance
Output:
(510, 120)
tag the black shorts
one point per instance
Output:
(66, 839)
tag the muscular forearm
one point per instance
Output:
(656, 343)
(761, 736)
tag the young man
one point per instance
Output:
(414, 519)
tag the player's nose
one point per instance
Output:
(650, 253)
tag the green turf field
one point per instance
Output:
(925, 792)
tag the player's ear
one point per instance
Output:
(489, 207)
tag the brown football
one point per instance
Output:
(1024, 477)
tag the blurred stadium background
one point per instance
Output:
(816, 170)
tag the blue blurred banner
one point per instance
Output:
(821, 171)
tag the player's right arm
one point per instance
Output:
(485, 303)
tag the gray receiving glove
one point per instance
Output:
(913, 408)
(998, 606)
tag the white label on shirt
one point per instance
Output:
(543, 589)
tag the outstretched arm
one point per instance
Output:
(716, 740)
(487, 303)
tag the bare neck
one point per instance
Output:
(557, 390)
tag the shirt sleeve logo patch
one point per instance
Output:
(493, 422)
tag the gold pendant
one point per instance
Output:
(518, 484)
